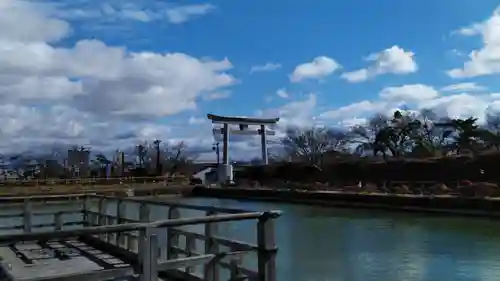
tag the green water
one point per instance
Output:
(324, 244)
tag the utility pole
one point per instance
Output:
(140, 154)
(158, 161)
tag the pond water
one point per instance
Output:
(329, 244)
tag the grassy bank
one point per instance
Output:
(449, 204)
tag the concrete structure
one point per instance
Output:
(201, 175)
(225, 171)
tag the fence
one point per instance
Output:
(137, 241)
(91, 181)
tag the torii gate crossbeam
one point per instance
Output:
(226, 171)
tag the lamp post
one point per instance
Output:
(215, 148)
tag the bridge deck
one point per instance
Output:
(28, 261)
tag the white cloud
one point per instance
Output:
(137, 15)
(415, 98)
(408, 93)
(294, 113)
(354, 110)
(91, 93)
(196, 121)
(347, 123)
(463, 87)
(394, 60)
(182, 14)
(282, 93)
(456, 52)
(486, 60)
(116, 82)
(21, 22)
(217, 95)
(118, 12)
(319, 68)
(270, 66)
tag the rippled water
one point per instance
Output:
(327, 244)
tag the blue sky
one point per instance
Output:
(110, 73)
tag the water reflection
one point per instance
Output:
(324, 244)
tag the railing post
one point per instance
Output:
(190, 248)
(172, 237)
(266, 253)
(27, 210)
(211, 269)
(143, 217)
(153, 256)
(85, 211)
(58, 222)
(101, 221)
(149, 257)
(235, 273)
(120, 214)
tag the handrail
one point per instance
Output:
(170, 204)
(18, 237)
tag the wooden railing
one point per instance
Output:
(140, 238)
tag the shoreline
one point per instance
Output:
(437, 204)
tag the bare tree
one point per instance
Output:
(170, 158)
(311, 144)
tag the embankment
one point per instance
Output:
(445, 204)
(147, 189)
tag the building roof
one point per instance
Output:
(242, 120)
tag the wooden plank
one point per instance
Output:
(91, 275)
(48, 267)
(245, 271)
(197, 260)
(219, 240)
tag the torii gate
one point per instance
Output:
(225, 171)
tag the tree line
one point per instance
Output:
(148, 158)
(405, 134)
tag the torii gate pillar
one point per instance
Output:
(225, 171)
(263, 143)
